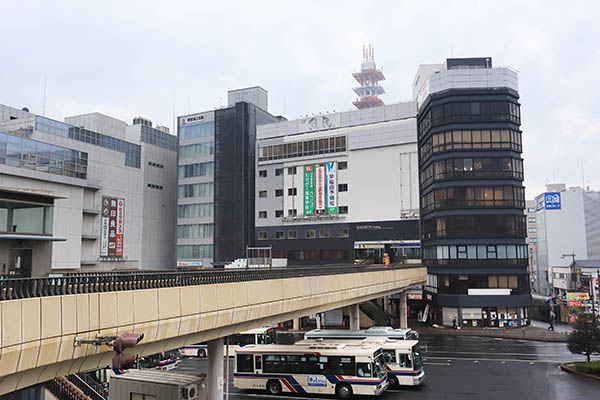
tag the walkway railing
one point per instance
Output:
(98, 282)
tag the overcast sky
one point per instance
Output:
(126, 58)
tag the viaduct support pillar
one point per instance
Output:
(354, 317)
(402, 310)
(215, 369)
(296, 324)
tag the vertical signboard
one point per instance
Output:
(320, 189)
(332, 188)
(309, 190)
(111, 241)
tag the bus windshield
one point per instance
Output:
(417, 363)
(242, 339)
(379, 366)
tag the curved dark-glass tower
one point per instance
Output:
(473, 225)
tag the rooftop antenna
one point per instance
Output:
(582, 176)
(451, 51)
(44, 106)
(174, 130)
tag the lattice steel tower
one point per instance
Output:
(368, 78)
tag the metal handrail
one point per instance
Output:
(99, 282)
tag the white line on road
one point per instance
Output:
(270, 396)
(495, 359)
(429, 363)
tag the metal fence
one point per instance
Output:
(98, 282)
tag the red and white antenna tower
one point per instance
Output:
(368, 78)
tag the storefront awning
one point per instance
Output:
(33, 237)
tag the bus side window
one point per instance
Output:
(363, 370)
(404, 361)
(258, 362)
(390, 356)
(244, 363)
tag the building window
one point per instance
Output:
(310, 233)
(278, 213)
(305, 148)
(262, 214)
(292, 171)
(196, 190)
(262, 194)
(197, 150)
(262, 173)
(292, 191)
(531, 220)
(533, 240)
(198, 169)
(278, 171)
(323, 233)
(153, 186)
(278, 192)
(292, 213)
(343, 187)
(153, 164)
(262, 235)
(279, 235)
(532, 230)
(195, 210)
(343, 165)
(343, 232)
(292, 235)
(531, 210)
(190, 231)
(343, 209)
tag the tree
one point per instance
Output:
(585, 338)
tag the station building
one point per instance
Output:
(91, 193)
(339, 187)
(473, 225)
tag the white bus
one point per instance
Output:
(264, 335)
(402, 358)
(343, 369)
(375, 331)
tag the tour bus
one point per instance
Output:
(165, 361)
(264, 335)
(402, 359)
(375, 331)
(343, 369)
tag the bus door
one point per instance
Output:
(258, 363)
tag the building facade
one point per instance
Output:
(532, 245)
(473, 227)
(215, 218)
(90, 193)
(339, 187)
(568, 227)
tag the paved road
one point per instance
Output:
(474, 368)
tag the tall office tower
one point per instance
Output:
(473, 226)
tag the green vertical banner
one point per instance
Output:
(309, 190)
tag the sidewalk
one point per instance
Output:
(536, 332)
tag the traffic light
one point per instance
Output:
(122, 360)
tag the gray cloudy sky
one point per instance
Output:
(126, 58)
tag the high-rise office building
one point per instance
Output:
(473, 227)
(216, 179)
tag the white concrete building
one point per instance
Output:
(337, 187)
(91, 193)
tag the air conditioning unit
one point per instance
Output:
(189, 392)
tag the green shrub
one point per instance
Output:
(592, 368)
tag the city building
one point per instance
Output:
(568, 228)
(90, 193)
(215, 215)
(339, 187)
(472, 198)
(532, 245)
(574, 287)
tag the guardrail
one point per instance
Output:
(98, 282)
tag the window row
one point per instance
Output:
(198, 169)
(196, 190)
(156, 165)
(470, 111)
(301, 149)
(263, 173)
(195, 231)
(505, 167)
(132, 151)
(476, 252)
(263, 214)
(197, 150)
(153, 186)
(194, 251)
(471, 139)
(460, 284)
(300, 364)
(195, 210)
(158, 138)
(263, 194)
(473, 226)
(308, 234)
(331, 255)
(30, 154)
(197, 130)
(473, 197)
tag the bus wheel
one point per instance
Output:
(273, 387)
(202, 353)
(343, 391)
(393, 382)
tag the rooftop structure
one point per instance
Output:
(368, 78)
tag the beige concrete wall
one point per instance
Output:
(37, 335)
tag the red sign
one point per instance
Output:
(119, 236)
(112, 227)
(575, 303)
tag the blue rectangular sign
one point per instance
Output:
(552, 201)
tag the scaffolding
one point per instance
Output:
(368, 78)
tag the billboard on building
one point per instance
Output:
(320, 189)
(112, 232)
(309, 190)
(332, 207)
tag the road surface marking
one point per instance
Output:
(270, 396)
